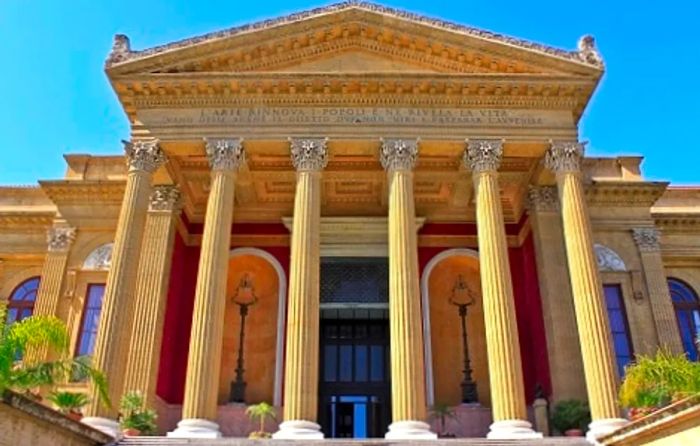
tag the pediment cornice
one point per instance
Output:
(625, 193)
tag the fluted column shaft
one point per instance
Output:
(206, 338)
(502, 344)
(591, 315)
(151, 293)
(112, 342)
(648, 242)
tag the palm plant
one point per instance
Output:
(68, 403)
(261, 412)
(442, 411)
(39, 334)
(135, 419)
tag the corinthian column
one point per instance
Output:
(112, 342)
(406, 335)
(502, 344)
(309, 157)
(204, 361)
(648, 242)
(53, 274)
(564, 158)
(152, 292)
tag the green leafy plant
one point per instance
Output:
(23, 343)
(69, 403)
(442, 411)
(571, 414)
(656, 381)
(260, 412)
(134, 416)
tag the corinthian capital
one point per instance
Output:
(60, 238)
(143, 155)
(543, 198)
(399, 154)
(165, 198)
(564, 156)
(309, 153)
(647, 239)
(225, 154)
(483, 155)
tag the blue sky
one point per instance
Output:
(55, 98)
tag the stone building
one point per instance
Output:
(375, 194)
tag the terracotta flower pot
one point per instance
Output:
(75, 416)
(573, 433)
(131, 432)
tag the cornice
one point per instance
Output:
(677, 222)
(83, 192)
(624, 194)
(26, 221)
(123, 56)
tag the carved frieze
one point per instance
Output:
(398, 154)
(225, 153)
(60, 238)
(608, 260)
(100, 258)
(564, 156)
(483, 155)
(647, 239)
(143, 155)
(166, 198)
(309, 153)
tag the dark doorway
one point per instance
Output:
(354, 375)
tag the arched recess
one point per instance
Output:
(467, 260)
(281, 317)
(608, 260)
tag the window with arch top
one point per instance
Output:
(687, 307)
(22, 299)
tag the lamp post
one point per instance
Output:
(245, 298)
(469, 393)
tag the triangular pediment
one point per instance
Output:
(353, 37)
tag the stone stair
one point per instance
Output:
(164, 441)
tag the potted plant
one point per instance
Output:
(653, 382)
(69, 403)
(261, 412)
(571, 417)
(441, 411)
(134, 419)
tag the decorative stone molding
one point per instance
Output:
(225, 154)
(564, 156)
(309, 153)
(647, 239)
(588, 52)
(60, 238)
(121, 49)
(145, 155)
(165, 198)
(100, 258)
(399, 154)
(608, 260)
(483, 155)
(543, 198)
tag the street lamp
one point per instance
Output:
(462, 297)
(245, 297)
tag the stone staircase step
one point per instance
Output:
(164, 441)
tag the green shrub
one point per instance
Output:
(67, 402)
(571, 414)
(135, 416)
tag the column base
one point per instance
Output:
(410, 430)
(109, 427)
(599, 428)
(196, 428)
(298, 430)
(512, 430)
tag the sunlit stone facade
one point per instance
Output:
(305, 206)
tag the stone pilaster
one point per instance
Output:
(406, 336)
(483, 158)
(151, 292)
(112, 342)
(565, 159)
(204, 361)
(563, 350)
(648, 243)
(309, 157)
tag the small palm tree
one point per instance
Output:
(261, 412)
(40, 333)
(69, 403)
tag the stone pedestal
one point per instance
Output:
(502, 344)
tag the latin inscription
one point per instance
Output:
(353, 116)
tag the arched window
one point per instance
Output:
(22, 300)
(687, 307)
